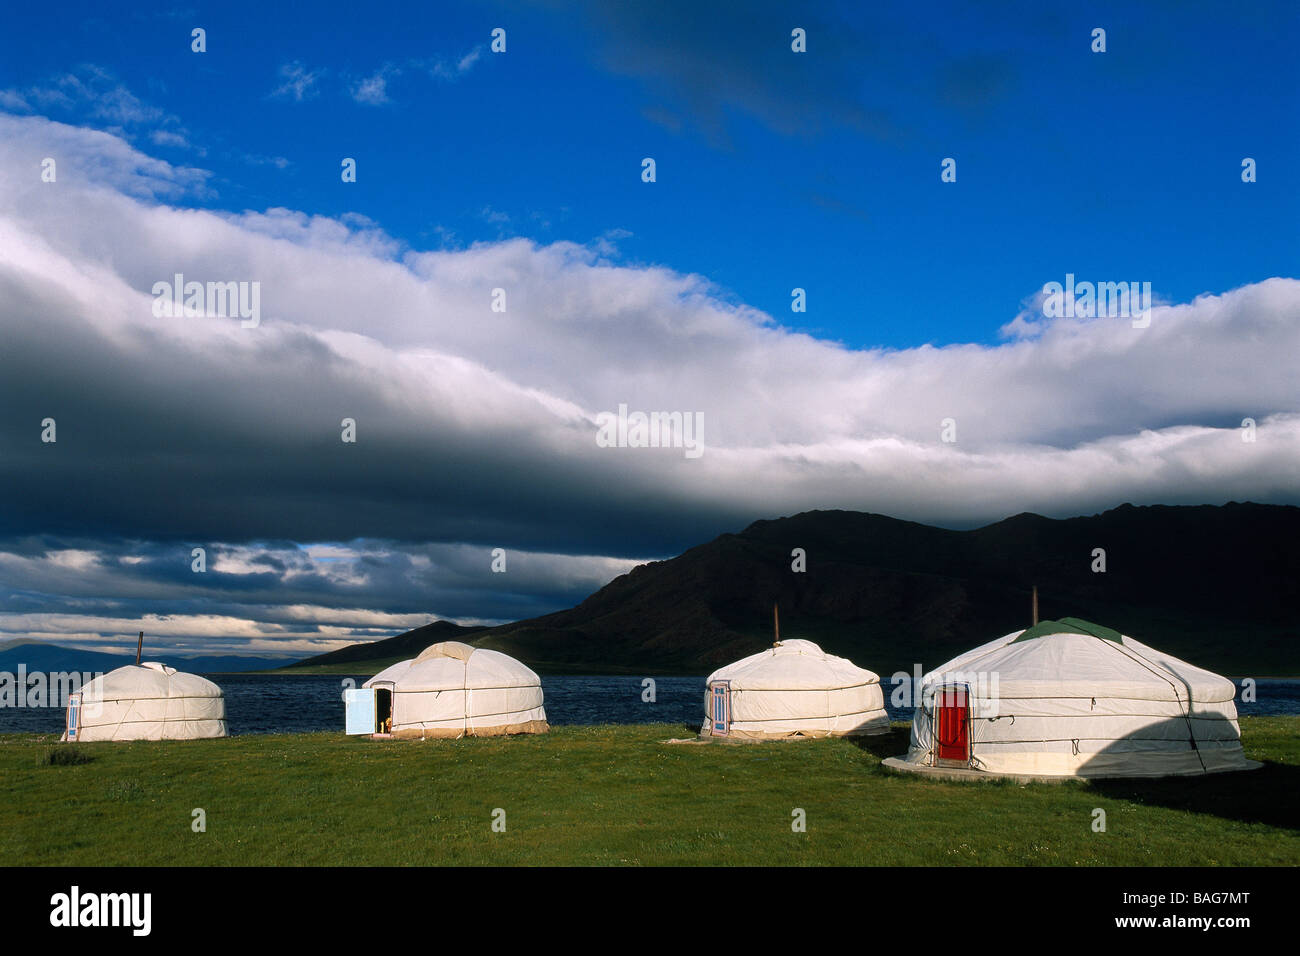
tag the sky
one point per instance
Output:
(521, 170)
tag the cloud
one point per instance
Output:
(373, 90)
(466, 62)
(256, 159)
(169, 138)
(707, 64)
(477, 428)
(93, 159)
(272, 597)
(444, 69)
(13, 101)
(107, 99)
(872, 70)
(297, 82)
(91, 94)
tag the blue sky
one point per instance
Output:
(775, 170)
(522, 170)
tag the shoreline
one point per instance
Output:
(616, 726)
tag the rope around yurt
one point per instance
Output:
(1187, 714)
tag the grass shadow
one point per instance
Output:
(1266, 795)
(892, 744)
(63, 757)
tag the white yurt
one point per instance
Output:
(450, 690)
(793, 689)
(148, 701)
(1070, 698)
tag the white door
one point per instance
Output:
(359, 704)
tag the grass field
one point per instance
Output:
(614, 795)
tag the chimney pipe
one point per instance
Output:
(776, 624)
(1035, 603)
(139, 647)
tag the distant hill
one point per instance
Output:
(1217, 585)
(43, 656)
(375, 655)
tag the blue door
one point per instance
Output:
(720, 707)
(74, 715)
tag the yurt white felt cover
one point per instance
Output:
(795, 689)
(1072, 698)
(150, 701)
(454, 690)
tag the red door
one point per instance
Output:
(952, 724)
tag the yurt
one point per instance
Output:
(449, 690)
(1070, 698)
(793, 690)
(148, 701)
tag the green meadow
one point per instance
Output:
(614, 795)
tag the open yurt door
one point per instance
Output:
(369, 710)
(384, 707)
(359, 710)
(952, 724)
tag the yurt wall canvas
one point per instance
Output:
(450, 690)
(791, 690)
(149, 701)
(1071, 698)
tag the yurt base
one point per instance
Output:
(899, 765)
(452, 733)
(769, 738)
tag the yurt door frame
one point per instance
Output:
(720, 708)
(385, 699)
(74, 716)
(952, 725)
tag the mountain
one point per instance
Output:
(375, 654)
(42, 656)
(1218, 585)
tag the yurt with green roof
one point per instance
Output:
(1070, 698)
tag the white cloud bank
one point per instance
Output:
(480, 425)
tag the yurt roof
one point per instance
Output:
(1069, 625)
(451, 665)
(149, 681)
(793, 665)
(453, 649)
(1076, 662)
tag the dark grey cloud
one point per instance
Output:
(476, 430)
(869, 70)
(295, 599)
(706, 61)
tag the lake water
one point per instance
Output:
(262, 704)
